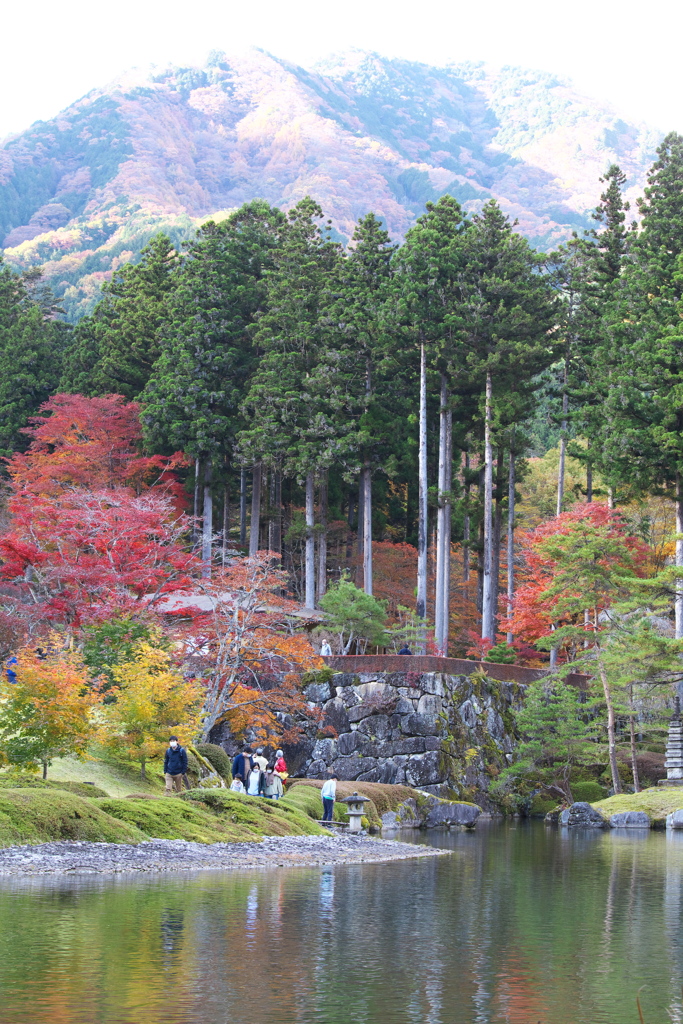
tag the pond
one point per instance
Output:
(521, 924)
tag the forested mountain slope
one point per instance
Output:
(82, 193)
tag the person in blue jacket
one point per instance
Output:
(175, 766)
(242, 765)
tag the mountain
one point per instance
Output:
(82, 193)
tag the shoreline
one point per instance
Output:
(157, 856)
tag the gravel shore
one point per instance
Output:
(62, 858)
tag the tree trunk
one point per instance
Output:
(243, 508)
(366, 486)
(421, 602)
(466, 533)
(563, 446)
(610, 498)
(487, 591)
(678, 605)
(255, 523)
(497, 536)
(349, 535)
(310, 542)
(226, 522)
(439, 595)
(589, 483)
(511, 537)
(195, 510)
(275, 521)
(611, 730)
(634, 754)
(447, 532)
(143, 769)
(44, 769)
(207, 520)
(322, 536)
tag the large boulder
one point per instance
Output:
(630, 819)
(377, 726)
(350, 768)
(419, 725)
(445, 814)
(317, 693)
(351, 742)
(582, 815)
(336, 715)
(424, 770)
(674, 820)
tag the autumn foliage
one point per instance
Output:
(49, 711)
(535, 606)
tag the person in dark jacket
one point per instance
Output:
(405, 650)
(175, 766)
(242, 765)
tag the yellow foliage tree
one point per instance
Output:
(152, 700)
(49, 711)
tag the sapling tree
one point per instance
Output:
(353, 615)
(49, 711)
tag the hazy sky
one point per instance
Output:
(54, 52)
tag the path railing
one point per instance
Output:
(367, 664)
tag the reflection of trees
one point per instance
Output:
(517, 926)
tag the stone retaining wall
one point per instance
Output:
(446, 734)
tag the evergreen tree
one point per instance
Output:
(352, 310)
(31, 349)
(114, 349)
(192, 400)
(290, 424)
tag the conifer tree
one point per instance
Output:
(290, 426)
(114, 349)
(192, 400)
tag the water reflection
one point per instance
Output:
(519, 925)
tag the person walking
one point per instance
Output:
(261, 761)
(273, 787)
(329, 793)
(242, 765)
(281, 765)
(237, 785)
(175, 766)
(256, 781)
(326, 650)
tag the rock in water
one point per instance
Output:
(452, 814)
(674, 820)
(582, 815)
(630, 819)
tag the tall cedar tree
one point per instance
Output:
(364, 394)
(290, 423)
(429, 272)
(31, 350)
(642, 424)
(114, 349)
(192, 400)
(509, 314)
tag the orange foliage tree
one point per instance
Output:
(246, 645)
(535, 611)
(49, 711)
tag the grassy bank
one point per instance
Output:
(304, 794)
(657, 802)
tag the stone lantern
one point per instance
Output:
(355, 804)
(674, 750)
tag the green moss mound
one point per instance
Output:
(170, 818)
(656, 802)
(217, 758)
(32, 782)
(305, 796)
(256, 814)
(34, 815)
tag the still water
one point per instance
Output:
(520, 925)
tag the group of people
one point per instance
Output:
(254, 775)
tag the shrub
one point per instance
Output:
(217, 758)
(589, 792)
